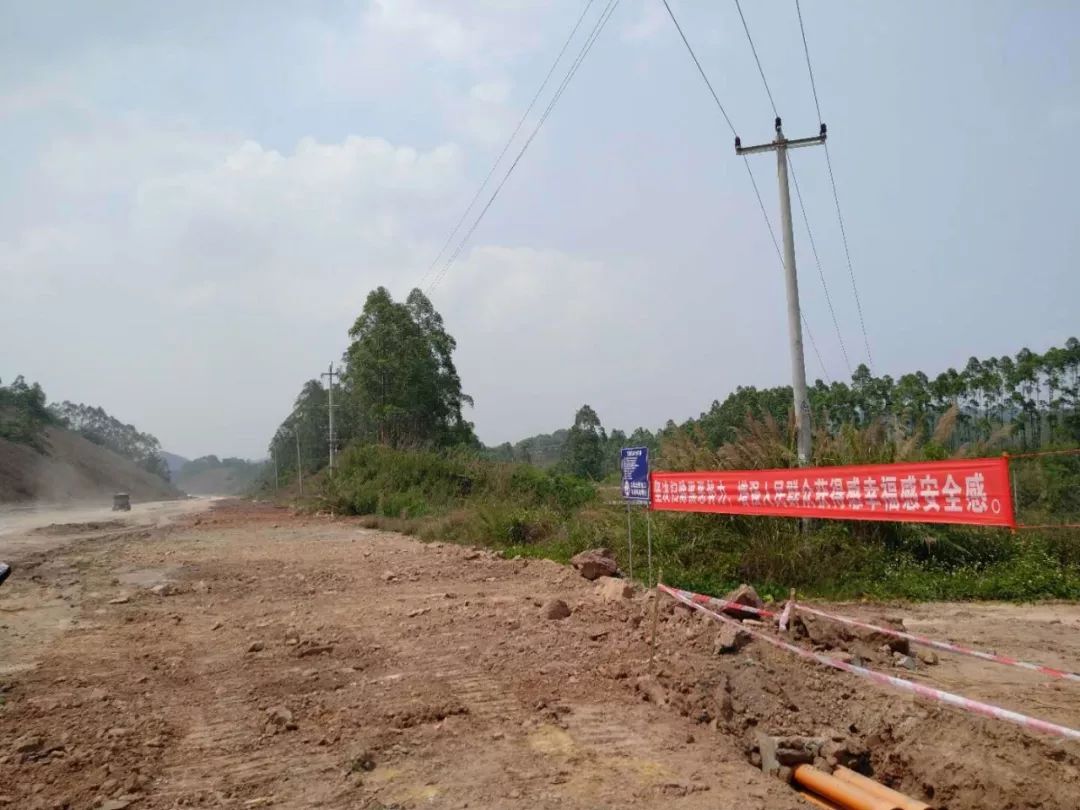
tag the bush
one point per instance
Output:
(522, 510)
(414, 483)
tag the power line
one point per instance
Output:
(817, 260)
(780, 256)
(806, 220)
(749, 171)
(753, 49)
(701, 70)
(836, 197)
(809, 67)
(506, 146)
(598, 27)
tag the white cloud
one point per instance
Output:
(491, 92)
(207, 250)
(648, 24)
(541, 331)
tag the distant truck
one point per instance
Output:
(121, 502)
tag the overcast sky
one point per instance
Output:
(196, 197)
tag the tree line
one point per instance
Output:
(398, 387)
(1027, 402)
(23, 414)
(96, 425)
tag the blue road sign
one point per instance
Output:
(634, 462)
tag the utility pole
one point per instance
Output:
(299, 468)
(277, 481)
(798, 364)
(330, 407)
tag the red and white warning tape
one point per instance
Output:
(944, 645)
(967, 704)
(725, 604)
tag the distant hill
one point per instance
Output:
(174, 462)
(70, 467)
(210, 475)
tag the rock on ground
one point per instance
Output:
(745, 595)
(555, 609)
(730, 639)
(833, 635)
(928, 657)
(611, 589)
(595, 563)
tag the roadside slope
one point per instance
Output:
(73, 468)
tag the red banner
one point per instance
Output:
(974, 491)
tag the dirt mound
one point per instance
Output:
(60, 529)
(73, 468)
(920, 748)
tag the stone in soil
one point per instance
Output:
(314, 649)
(611, 589)
(905, 661)
(833, 635)
(280, 718)
(730, 639)
(928, 657)
(745, 595)
(28, 743)
(595, 563)
(555, 609)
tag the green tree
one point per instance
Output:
(308, 422)
(23, 415)
(583, 453)
(400, 385)
(99, 427)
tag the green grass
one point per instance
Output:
(523, 511)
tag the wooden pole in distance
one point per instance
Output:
(785, 614)
(655, 618)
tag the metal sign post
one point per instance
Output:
(634, 463)
(648, 540)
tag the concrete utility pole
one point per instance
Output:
(299, 467)
(798, 363)
(330, 407)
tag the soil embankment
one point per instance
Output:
(73, 469)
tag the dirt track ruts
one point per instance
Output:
(303, 662)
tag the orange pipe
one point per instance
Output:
(820, 802)
(848, 796)
(877, 789)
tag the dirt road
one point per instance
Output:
(27, 529)
(244, 657)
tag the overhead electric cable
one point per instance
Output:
(510, 140)
(598, 27)
(806, 219)
(753, 49)
(836, 197)
(749, 171)
(817, 260)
